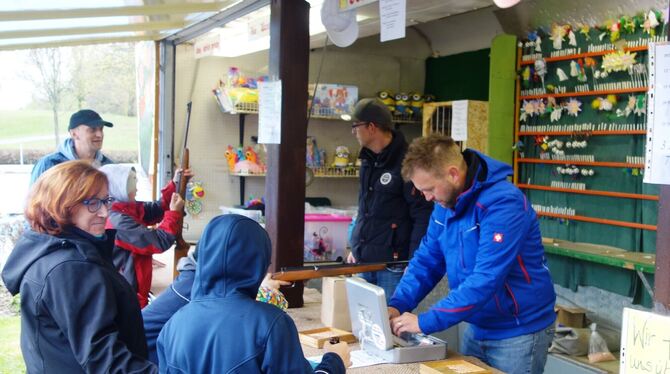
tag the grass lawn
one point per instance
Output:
(17, 124)
(11, 361)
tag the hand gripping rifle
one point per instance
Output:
(181, 246)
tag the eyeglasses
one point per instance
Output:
(94, 204)
(358, 124)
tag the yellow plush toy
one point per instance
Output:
(416, 104)
(387, 98)
(341, 156)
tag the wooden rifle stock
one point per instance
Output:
(181, 246)
(316, 271)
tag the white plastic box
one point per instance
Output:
(325, 236)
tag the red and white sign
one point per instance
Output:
(498, 237)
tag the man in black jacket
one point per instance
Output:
(392, 214)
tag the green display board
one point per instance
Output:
(582, 123)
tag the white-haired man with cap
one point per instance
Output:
(392, 214)
(85, 142)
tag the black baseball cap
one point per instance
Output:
(373, 110)
(89, 118)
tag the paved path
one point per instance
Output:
(29, 139)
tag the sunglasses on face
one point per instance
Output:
(94, 204)
(358, 124)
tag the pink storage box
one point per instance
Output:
(325, 236)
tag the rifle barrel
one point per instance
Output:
(299, 274)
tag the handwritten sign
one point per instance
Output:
(657, 163)
(392, 19)
(269, 112)
(645, 342)
(459, 120)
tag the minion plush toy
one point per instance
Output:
(386, 98)
(416, 104)
(402, 105)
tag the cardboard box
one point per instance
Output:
(334, 306)
(570, 316)
(333, 100)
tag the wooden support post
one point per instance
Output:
(285, 178)
(662, 275)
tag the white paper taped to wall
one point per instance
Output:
(657, 153)
(269, 112)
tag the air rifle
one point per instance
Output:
(181, 246)
(292, 274)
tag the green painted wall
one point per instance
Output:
(501, 97)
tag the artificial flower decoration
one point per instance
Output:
(581, 74)
(618, 61)
(605, 104)
(556, 113)
(561, 76)
(573, 107)
(572, 40)
(584, 30)
(574, 69)
(614, 29)
(640, 105)
(627, 24)
(550, 87)
(652, 21)
(527, 109)
(558, 32)
(541, 69)
(628, 109)
(525, 76)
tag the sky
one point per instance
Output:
(15, 92)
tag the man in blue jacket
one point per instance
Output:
(392, 214)
(485, 236)
(84, 143)
(223, 329)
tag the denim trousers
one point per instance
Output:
(525, 354)
(387, 279)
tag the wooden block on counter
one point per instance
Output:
(451, 366)
(317, 337)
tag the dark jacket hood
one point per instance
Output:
(33, 245)
(233, 257)
(483, 172)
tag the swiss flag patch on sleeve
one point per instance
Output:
(497, 237)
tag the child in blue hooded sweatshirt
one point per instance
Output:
(223, 329)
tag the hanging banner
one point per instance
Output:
(353, 4)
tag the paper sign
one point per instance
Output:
(269, 112)
(392, 19)
(459, 120)
(657, 156)
(645, 342)
(359, 358)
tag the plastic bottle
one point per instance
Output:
(340, 348)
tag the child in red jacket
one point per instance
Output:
(135, 243)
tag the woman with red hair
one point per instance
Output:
(78, 315)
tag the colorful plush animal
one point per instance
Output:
(387, 98)
(231, 157)
(251, 155)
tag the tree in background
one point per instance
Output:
(78, 87)
(52, 83)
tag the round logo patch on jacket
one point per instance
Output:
(385, 178)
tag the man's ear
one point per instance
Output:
(73, 133)
(454, 174)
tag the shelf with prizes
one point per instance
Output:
(581, 121)
(405, 107)
(250, 161)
